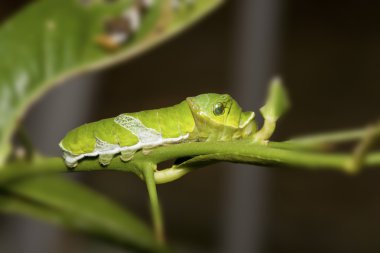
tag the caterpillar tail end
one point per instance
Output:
(70, 161)
(71, 165)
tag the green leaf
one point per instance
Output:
(277, 102)
(49, 41)
(71, 205)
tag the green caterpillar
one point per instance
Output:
(207, 117)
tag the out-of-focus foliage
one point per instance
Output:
(277, 101)
(50, 41)
(44, 44)
(69, 204)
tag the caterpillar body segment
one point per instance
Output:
(202, 118)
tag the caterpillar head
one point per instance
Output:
(220, 110)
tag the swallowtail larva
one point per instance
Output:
(206, 117)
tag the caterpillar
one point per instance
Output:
(206, 117)
(120, 29)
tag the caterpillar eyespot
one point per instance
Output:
(194, 119)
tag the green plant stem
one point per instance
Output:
(367, 141)
(266, 131)
(236, 151)
(328, 138)
(156, 214)
(203, 153)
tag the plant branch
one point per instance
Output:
(325, 139)
(158, 224)
(203, 153)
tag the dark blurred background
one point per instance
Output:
(328, 54)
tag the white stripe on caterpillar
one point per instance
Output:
(105, 147)
(148, 138)
(144, 134)
(72, 160)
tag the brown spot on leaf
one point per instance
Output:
(118, 25)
